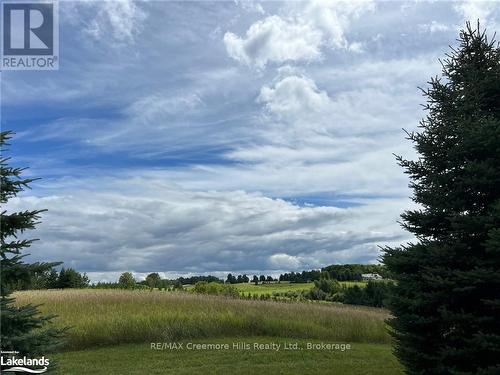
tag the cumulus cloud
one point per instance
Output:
(293, 96)
(298, 36)
(284, 261)
(332, 18)
(274, 39)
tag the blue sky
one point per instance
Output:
(215, 137)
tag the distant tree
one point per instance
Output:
(269, 279)
(164, 284)
(375, 293)
(177, 285)
(239, 279)
(127, 280)
(23, 328)
(39, 280)
(262, 278)
(446, 300)
(69, 278)
(255, 279)
(153, 280)
(354, 295)
(52, 279)
(245, 279)
(231, 279)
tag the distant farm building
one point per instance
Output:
(371, 276)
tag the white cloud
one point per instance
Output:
(118, 20)
(300, 35)
(325, 126)
(293, 96)
(434, 27)
(250, 6)
(284, 261)
(334, 17)
(473, 10)
(143, 224)
(356, 47)
(154, 107)
(274, 39)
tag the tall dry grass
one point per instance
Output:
(107, 317)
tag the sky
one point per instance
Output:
(213, 137)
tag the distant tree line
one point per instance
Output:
(340, 272)
(300, 277)
(353, 272)
(52, 279)
(241, 279)
(374, 293)
(194, 279)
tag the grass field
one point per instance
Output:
(283, 287)
(139, 359)
(116, 327)
(273, 287)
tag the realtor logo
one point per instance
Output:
(30, 35)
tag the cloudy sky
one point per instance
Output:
(215, 137)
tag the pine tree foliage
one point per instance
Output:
(446, 302)
(23, 328)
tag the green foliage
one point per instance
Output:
(301, 277)
(127, 281)
(22, 327)
(194, 279)
(177, 285)
(216, 289)
(375, 293)
(340, 272)
(69, 278)
(353, 272)
(231, 279)
(324, 289)
(153, 280)
(44, 277)
(446, 300)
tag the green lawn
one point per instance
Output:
(138, 359)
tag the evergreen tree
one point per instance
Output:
(70, 278)
(446, 302)
(23, 329)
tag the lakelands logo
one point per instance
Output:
(30, 35)
(11, 363)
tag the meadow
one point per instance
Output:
(260, 289)
(111, 323)
(272, 287)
